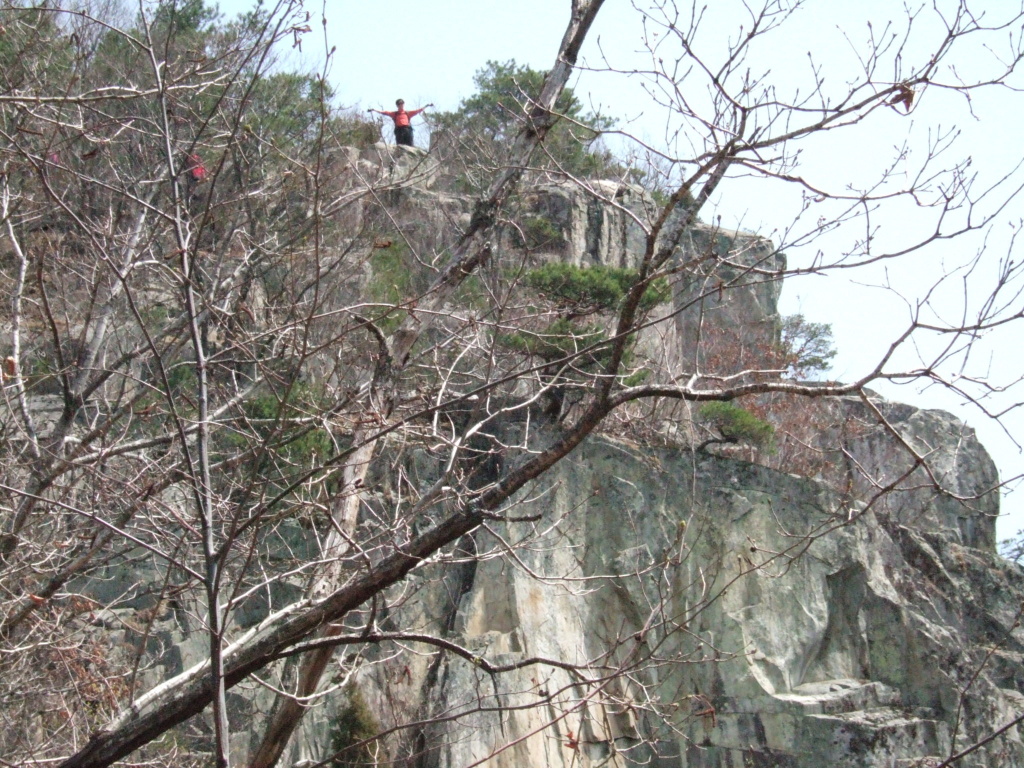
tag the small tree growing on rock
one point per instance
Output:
(735, 425)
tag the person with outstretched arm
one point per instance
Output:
(403, 127)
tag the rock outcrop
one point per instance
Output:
(786, 636)
(721, 614)
(699, 611)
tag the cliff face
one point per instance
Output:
(721, 614)
(792, 624)
(714, 613)
(785, 635)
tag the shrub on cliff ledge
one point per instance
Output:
(586, 290)
(735, 425)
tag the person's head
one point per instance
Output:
(400, 103)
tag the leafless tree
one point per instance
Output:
(226, 330)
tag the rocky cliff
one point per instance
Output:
(790, 623)
(716, 614)
(790, 629)
(647, 603)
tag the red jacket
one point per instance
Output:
(401, 117)
(196, 168)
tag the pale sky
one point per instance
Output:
(428, 52)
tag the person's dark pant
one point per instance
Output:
(403, 135)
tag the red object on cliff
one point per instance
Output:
(196, 168)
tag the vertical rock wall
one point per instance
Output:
(701, 612)
(785, 638)
(725, 295)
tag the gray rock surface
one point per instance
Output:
(727, 300)
(717, 613)
(787, 635)
(703, 612)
